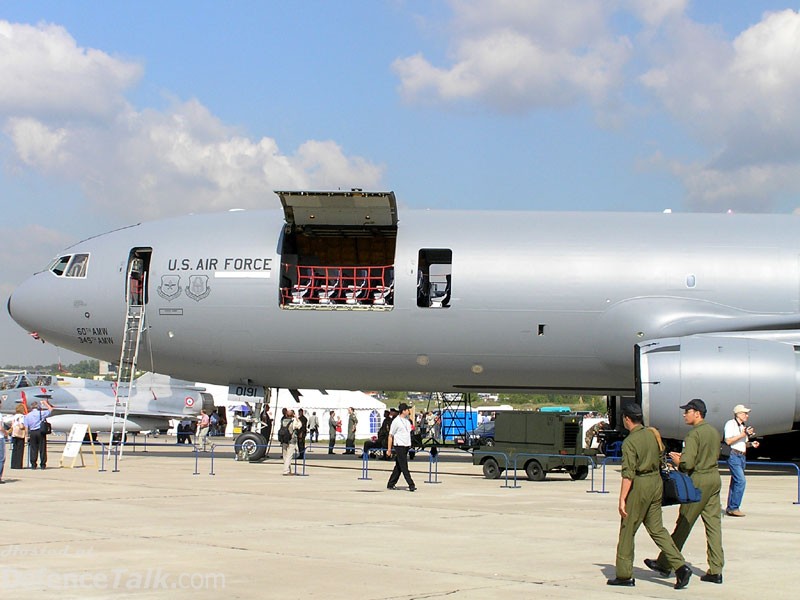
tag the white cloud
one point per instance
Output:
(738, 99)
(70, 119)
(517, 55)
(742, 100)
(43, 72)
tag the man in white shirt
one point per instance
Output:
(400, 442)
(736, 435)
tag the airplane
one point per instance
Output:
(335, 290)
(154, 401)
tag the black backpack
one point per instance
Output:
(284, 435)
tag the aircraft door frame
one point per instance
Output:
(136, 278)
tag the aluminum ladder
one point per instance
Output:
(126, 372)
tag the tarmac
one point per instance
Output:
(163, 527)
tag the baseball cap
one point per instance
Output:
(695, 404)
(739, 408)
(403, 406)
(632, 409)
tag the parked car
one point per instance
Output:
(482, 435)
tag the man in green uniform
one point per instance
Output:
(640, 501)
(699, 459)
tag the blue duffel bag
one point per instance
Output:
(678, 488)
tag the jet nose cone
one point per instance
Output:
(25, 305)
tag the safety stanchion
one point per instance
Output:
(196, 461)
(433, 466)
(116, 459)
(102, 457)
(294, 460)
(606, 460)
(365, 467)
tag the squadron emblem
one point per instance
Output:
(198, 287)
(170, 287)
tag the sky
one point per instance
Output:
(112, 113)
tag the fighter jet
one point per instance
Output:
(338, 290)
(155, 399)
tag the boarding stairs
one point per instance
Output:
(126, 372)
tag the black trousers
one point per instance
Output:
(37, 448)
(400, 466)
(17, 452)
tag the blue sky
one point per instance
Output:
(114, 112)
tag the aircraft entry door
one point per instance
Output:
(136, 293)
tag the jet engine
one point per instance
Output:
(722, 370)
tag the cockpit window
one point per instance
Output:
(70, 266)
(59, 265)
(77, 268)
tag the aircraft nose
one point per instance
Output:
(26, 304)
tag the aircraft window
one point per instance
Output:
(434, 278)
(691, 281)
(77, 268)
(60, 265)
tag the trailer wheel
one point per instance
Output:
(252, 445)
(579, 473)
(491, 470)
(534, 471)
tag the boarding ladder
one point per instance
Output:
(129, 355)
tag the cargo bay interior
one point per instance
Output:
(338, 250)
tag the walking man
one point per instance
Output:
(352, 423)
(640, 501)
(699, 459)
(203, 426)
(301, 433)
(292, 424)
(332, 420)
(736, 434)
(400, 442)
(313, 427)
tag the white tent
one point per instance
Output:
(369, 410)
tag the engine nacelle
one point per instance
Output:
(723, 371)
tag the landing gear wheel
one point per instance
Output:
(488, 442)
(534, 471)
(491, 470)
(252, 445)
(580, 473)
